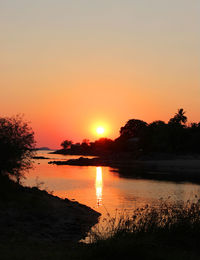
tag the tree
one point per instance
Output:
(103, 144)
(66, 144)
(158, 137)
(85, 144)
(195, 125)
(16, 146)
(177, 131)
(179, 118)
(157, 124)
(133, 128)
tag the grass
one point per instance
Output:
(165, 217)
(170, 231)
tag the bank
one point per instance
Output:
(34, 215)
(179, 168)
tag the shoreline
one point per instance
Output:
(30, 214)
(183, 163)
(179, 170)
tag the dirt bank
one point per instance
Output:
(34, 215)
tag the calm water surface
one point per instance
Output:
(102, 189)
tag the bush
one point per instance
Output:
(16, 146)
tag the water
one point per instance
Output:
(102, 189)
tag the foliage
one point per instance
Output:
(179, 118)
(163, 232)
(160, 137)
(140, 138)
(66, 144)
(103, 144)
(133, 128)
(16, 146)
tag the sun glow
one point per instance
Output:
(100, 130)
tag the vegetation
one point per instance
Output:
(31, 215)
(140, 138)
(66, 144)
(16, 146)
(156, 233)
(167, 231)
(165, 217)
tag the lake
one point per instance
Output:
(103, 189)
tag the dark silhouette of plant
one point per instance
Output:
(66, 144)
(139, 138)
(85, 144)
(177, 131)
(179, 118)
(157, 124)
(175, 219)
(193, 138)
(103, 144)
(195, 125)
(158, 137)
(16, 146)
(132, 136)
(133, 128)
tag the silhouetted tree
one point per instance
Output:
(103, 144)
(179, 118)
(66, 144)
(157, 124)
(132, 136)
(16, 146)
(85, 144)
(86, 141)
(158, 137)
(177, 131)
(137, 138)
(192, 142)
(195, 125)
(133, 128)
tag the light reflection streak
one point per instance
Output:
(99, 185)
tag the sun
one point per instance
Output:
(100, 130)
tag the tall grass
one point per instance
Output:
(163, 232)
(166, 218)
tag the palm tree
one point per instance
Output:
(179, 118)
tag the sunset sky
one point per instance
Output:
(72, 65)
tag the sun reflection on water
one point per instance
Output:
(99, 185)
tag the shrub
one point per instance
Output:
(16, 146)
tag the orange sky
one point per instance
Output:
(68, 65)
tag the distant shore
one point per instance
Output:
(183, 168)
(70, 152)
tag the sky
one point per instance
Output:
(72, 65)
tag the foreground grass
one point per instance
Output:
(164, 232)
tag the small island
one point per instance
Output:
(158, 150)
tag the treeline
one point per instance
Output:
(140, 138)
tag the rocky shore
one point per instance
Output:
(34, 215)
